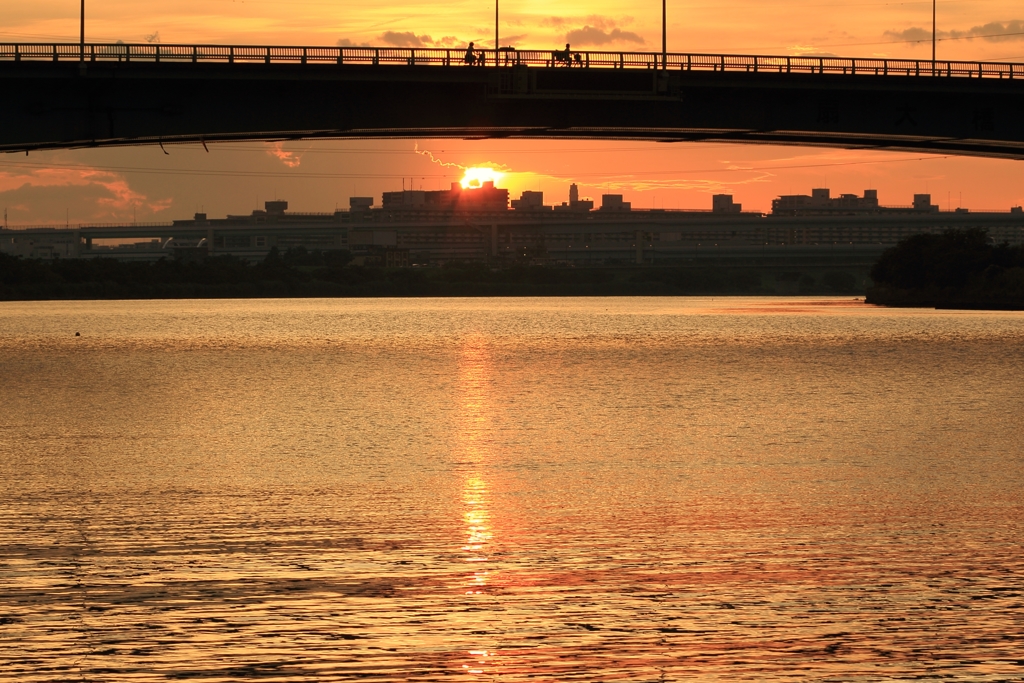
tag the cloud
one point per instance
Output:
(449, 41)
(90, 194)
(120, 194)
(556, 22)
(160, 205)
(596, 20)
(405, 39)
(287, 158)
(994, 31)
(596, 30)
(512, 40)
(911, 35)
(708, 185)
(809, 51)
(410, 39)
(347, 42)
(591, 35)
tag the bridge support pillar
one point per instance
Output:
(639, 247)
(494, 241)
(209, 241)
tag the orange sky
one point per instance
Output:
(89, 185)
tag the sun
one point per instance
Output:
(476, 176)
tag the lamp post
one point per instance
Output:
(496, 43)
(81, 48)
(664, 35)
(933, 37)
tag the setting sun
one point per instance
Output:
(478, 175)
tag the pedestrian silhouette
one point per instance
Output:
(470, 55)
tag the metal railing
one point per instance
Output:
(251, 54)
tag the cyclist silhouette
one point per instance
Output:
(562, 56)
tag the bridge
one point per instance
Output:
(61, 96)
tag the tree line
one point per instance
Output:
(954, 269)
(301, 273)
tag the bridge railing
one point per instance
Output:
(253, 54)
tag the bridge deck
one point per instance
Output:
(505, 57)
(62, 96)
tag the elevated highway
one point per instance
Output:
(63, 96)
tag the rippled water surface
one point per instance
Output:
(525, 489)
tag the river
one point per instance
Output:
(622, 489)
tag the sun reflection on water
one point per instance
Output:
(473, 452)
(477, 518)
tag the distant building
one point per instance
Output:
(45, 243)
(429, 228)
(409, 199)
(484, 198)
(923, 202)
(360, 204)
(723, 203)
(530, 201)
(575, 203)
(821, 203)
(613, 202)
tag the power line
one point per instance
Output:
(330, 176)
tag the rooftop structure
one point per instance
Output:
(530, 201)
(723, 203)
(359, 204)
(821, 203)
(484, 198)
(613, 202)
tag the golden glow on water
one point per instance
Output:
(474, 424)
(478, 530)
(525, 490)
(471, 452)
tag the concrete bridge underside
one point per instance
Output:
(68, 105)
